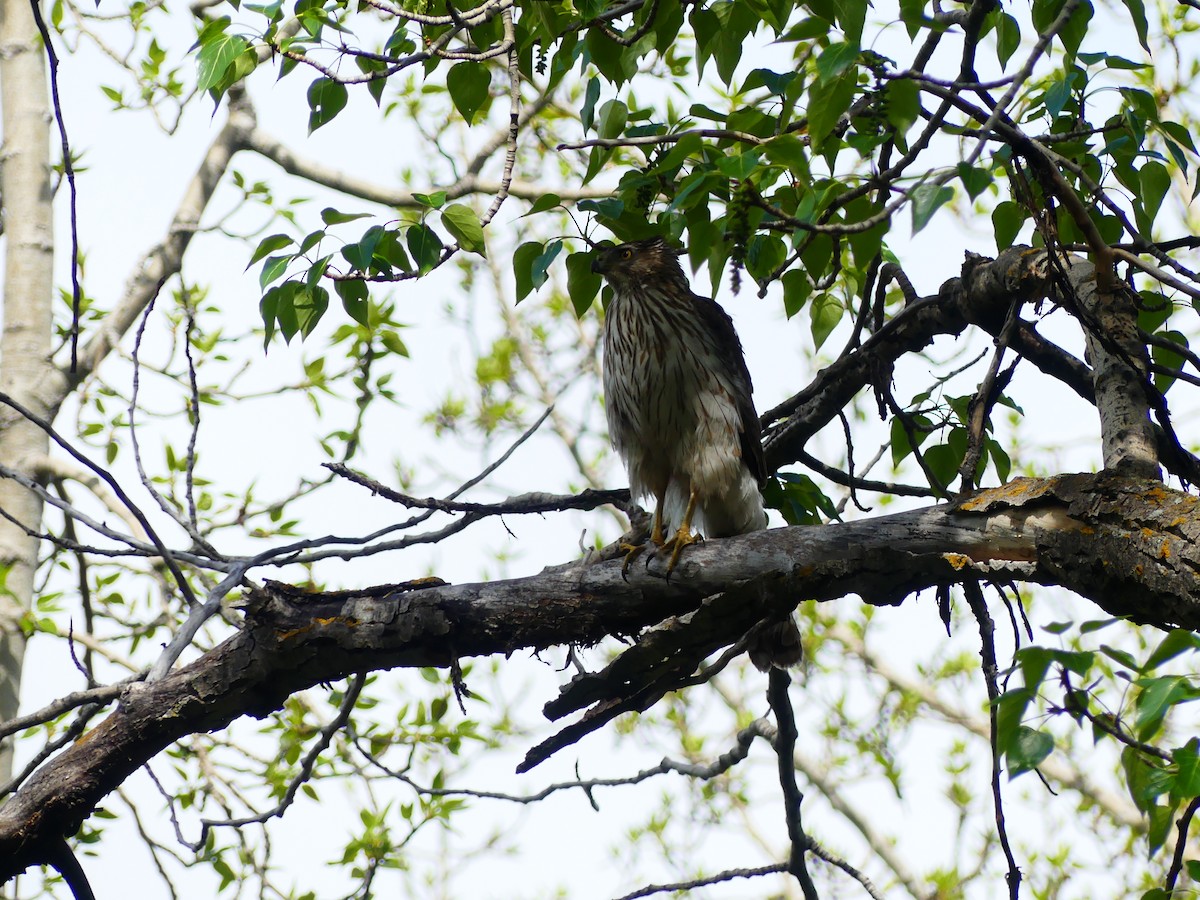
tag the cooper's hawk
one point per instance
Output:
(680, 412)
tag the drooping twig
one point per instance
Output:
(987, 651)
(778, 682)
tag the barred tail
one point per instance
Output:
(776, 644)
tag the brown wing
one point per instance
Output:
(729, 348)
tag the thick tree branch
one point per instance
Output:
(1130, 545)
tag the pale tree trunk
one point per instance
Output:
(25, 344)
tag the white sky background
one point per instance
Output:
(133, 179)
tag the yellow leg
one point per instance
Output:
(633, 551)
(684, 535)
(656, 533)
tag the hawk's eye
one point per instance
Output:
(626, 253)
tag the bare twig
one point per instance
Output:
(727, 875)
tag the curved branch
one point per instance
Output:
(373, 192)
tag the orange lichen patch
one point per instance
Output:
(1179, 520)
(1147, 533)
(1137, 569)
(1159, 496)
(292, 632)
(1017, 491)
(348, 621)
(1164, 552)
(957, 561)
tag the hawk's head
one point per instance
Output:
(648, 261)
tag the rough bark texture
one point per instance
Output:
(1130, 545)
(25, 344)
(1119, 372)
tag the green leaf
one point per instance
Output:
(1140, 779)
(590, 96)
(825, 312)
(788, 151)
(538, 271)
(464, 226)
(974, 179)
(1155, 181)
(1008, 38)
(835, 60)
(926, 200)
(272, 269)
(391, 341)
(799, 499)
(217, 53)
(738, 166)
(912, 14)
(361, 255)
(1010, 710)
(1007, 219)
(425, 247)
(523, 259)
(1157, 697)
(1187, 775)
(943, 461)
(326, 98)
(613, 116)
(1177, 641)
(1121, 657)
(436, 200)
(269, 244)
(468, 84)
(582, 283)
(354, 300)
(310, 304)
(331, 216)
(1073, 33)
(1137, 12)
(543, 203)
(826, 105)
(903, 104)
(1027, 750)
(796, 288)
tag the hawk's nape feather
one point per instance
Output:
(680, 408)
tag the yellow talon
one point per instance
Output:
(683, 536)
(632, 552)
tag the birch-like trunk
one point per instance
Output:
(25, 344)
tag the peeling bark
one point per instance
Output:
(1130, 545)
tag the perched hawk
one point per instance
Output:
(680, 412)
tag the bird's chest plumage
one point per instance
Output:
(665, 400)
